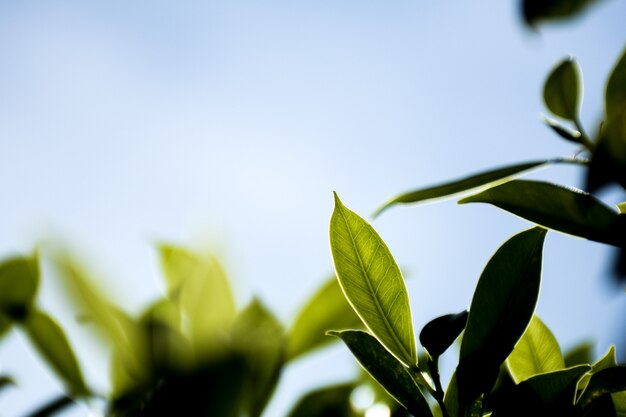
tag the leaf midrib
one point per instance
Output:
(369, 286)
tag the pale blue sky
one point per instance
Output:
(229, 124)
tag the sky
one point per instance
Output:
(228, 125)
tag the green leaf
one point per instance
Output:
(386, 369)
(608, 162)
(201, 287)
(372, 282)
(607, 361)
(567, 134)
(19, 280)
(619, 402)
(5, 324)
(440, 333)
(564, 209)
(54, 407)
(536, 352)
(451, 399)
(501, 309)
(546, 10)
(451, 188)
(579, 355)
(327, 309)
(328, 401)
(259, 338)
(50, 341)
(606, 381)
(563, 90)
(6, 381)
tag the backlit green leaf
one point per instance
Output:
(564, 209)
(386, 369)
(437, 336)
(536, 352)
(607, 361)
(564, 132)
(606, 381)
(451, 188)
(451, 399)
(201, 287)
(563, 90)
(49, 339)
(19, 280)
(615, 95)
(327, 309)
(502, 307)
(259, 338)
(328, 401)
(372, 282)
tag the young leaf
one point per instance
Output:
(386, 369)
(372, 282)
(501, 309)
(201, 288)
(49, 339)
(259, 338)
(19, 280)
(567, 134)
(327, 309)
(536, 352)
(440, 333)
(562, 91)
(555, 207)
(464, 184)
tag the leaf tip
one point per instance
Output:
(334, 333)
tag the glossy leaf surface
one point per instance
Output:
(469, 183)
(372, 282)
(502, 306)
(200, 286)
(327, 309)
(437, 336)
(386, 369)
(51, 342)
(562, 91)
(536, 352)
(555, 207)
(19, 280)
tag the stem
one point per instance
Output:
(437, 393)
(586, 140)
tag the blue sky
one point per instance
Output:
(227, 125)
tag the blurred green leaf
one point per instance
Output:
(6, 381)
(502, 307)
(464, 184)
(536, 352)
(50, 341)
(564, 209)
(386, 369)
(372, 282)
(535, 11)
(53, 407)
(438, 334)
(5, 324)
(562, 91)
(327, 309)
(333, 401)
(579, 355)
(564, 132)
(606, 381)
(201, 287)
(19, 280)
(259, 338)
(608, 162)
(619, 403)
(124, 334)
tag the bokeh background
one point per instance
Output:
(227, 125)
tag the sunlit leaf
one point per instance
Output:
(386, 369)
(326, 402)
(547, 10)
(50, 341)
(201, 287)
(502, 307)
(372, 282)
(472, 182)
(536, 352)
(19, 280)
(327, 309)
(259, 338)
(562, 91)
(437, 336)
(566, 210)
